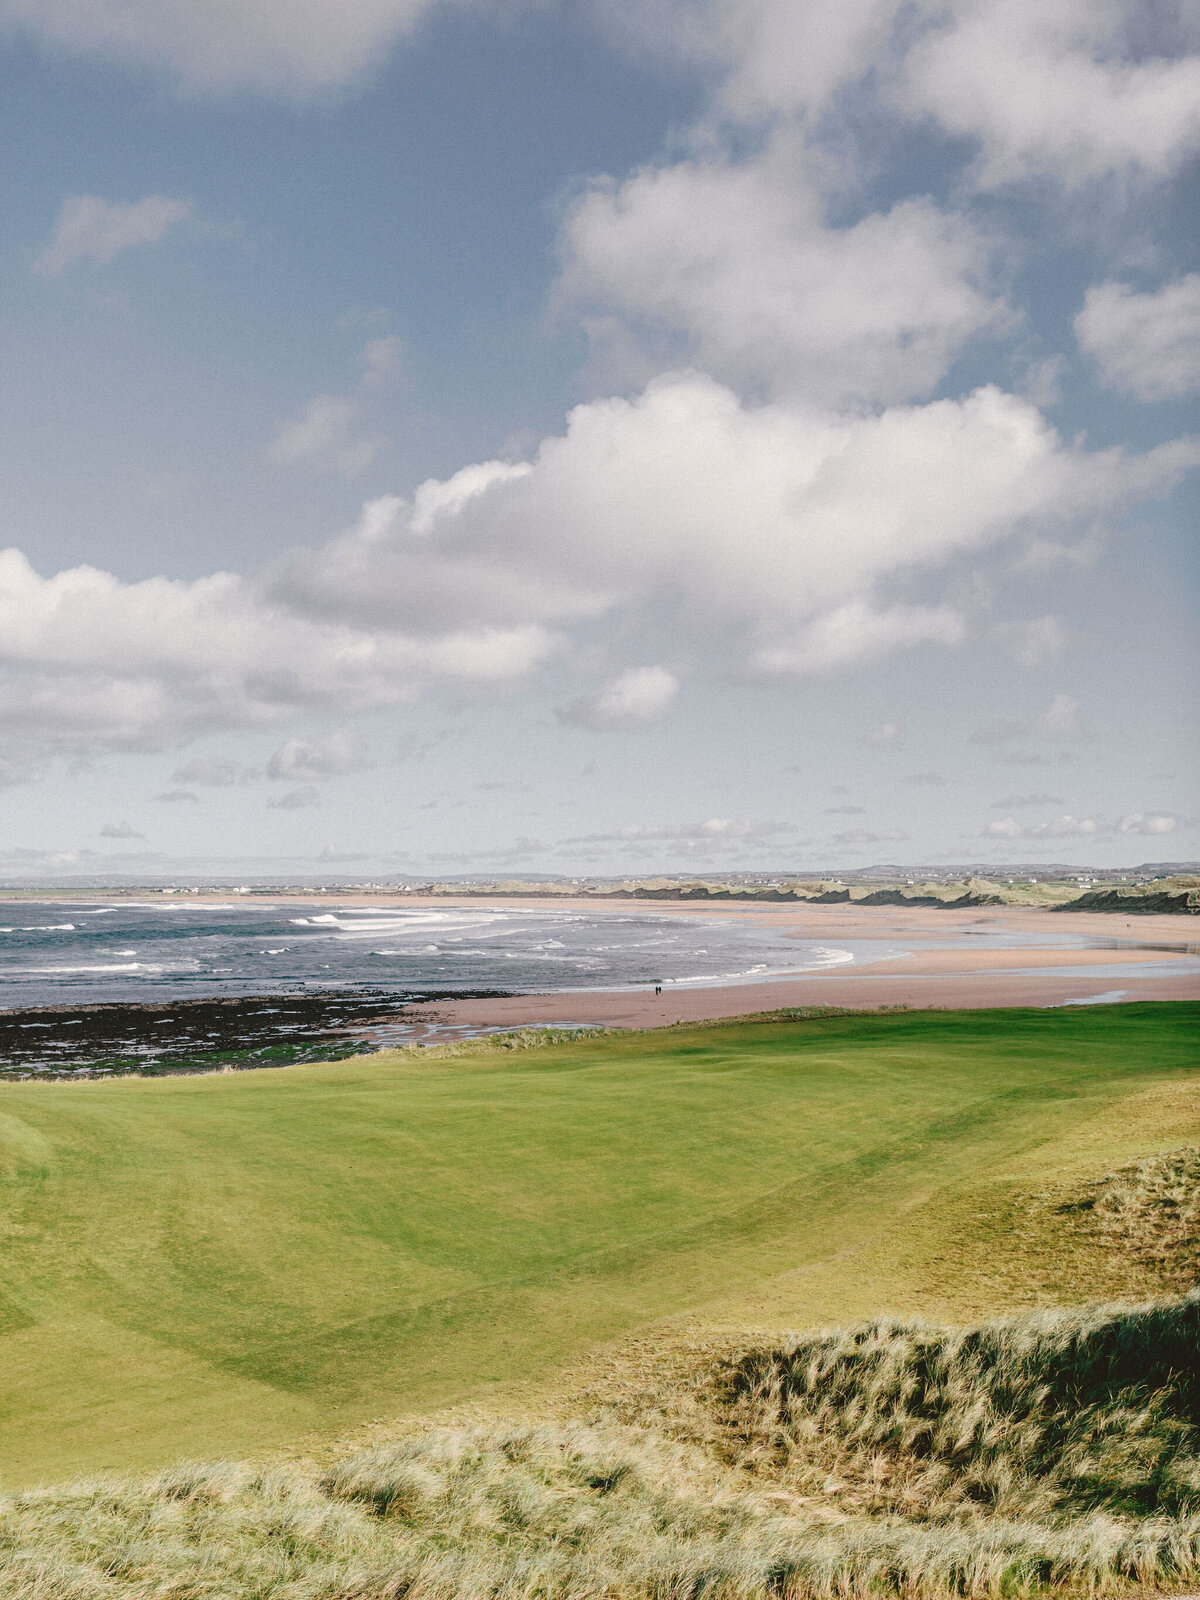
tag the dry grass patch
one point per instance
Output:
(1149, 1211)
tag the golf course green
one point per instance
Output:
(224, 1264)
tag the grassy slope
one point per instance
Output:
(216, 1265)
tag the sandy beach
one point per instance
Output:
(1035, 975)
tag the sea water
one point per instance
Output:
(83, 952)
(79, 952)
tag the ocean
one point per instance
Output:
(88, 952)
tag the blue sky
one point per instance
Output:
(684, 436)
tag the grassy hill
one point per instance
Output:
(226, 1264)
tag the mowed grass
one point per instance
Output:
(223, 1264)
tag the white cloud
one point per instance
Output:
(1060, 88)
(930, 780)
(326, 435)
(861, 836)
(857, 631)
(297, 799)
(739, 262)
(1148, 344)
(886, 733)
(1059, 722)
(294, 47)
(1148, 823)
(178, 797)
(120, 830)
(92, 229)
(1068, 89)
(1055, 87)
(780, 56)
(308, 760)
(1065, 827)
(636, 699)
(774, 523)
(756, 536)
(89, 662)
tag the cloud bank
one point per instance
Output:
(774, 536)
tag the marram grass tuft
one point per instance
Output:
(1046, 1451)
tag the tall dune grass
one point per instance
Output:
(1149, 1211)
(1044, 1451)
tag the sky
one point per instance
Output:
(617, 436)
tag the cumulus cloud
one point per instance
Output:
(310, 760)
(1058, 88)
(89, 662)
(297, 799)
(296, 47)
(1065, 827)
(326, 435)
(766, 537)
(775, 521)
(1059, 722)
(636, 699)
(858, 631)
(739, 262)
(1066, 89)
(1147, 344)
(1153, 822)
(120, 830)
(93, 229)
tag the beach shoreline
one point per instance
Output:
(1111, 959)
(925, 979)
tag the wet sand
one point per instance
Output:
(958, 978)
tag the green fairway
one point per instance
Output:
(220, 1264)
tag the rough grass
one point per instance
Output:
(1051, 1416)
(1040, 1452)
(1150, 1211)
(511, 1039)
(1054, 1415)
